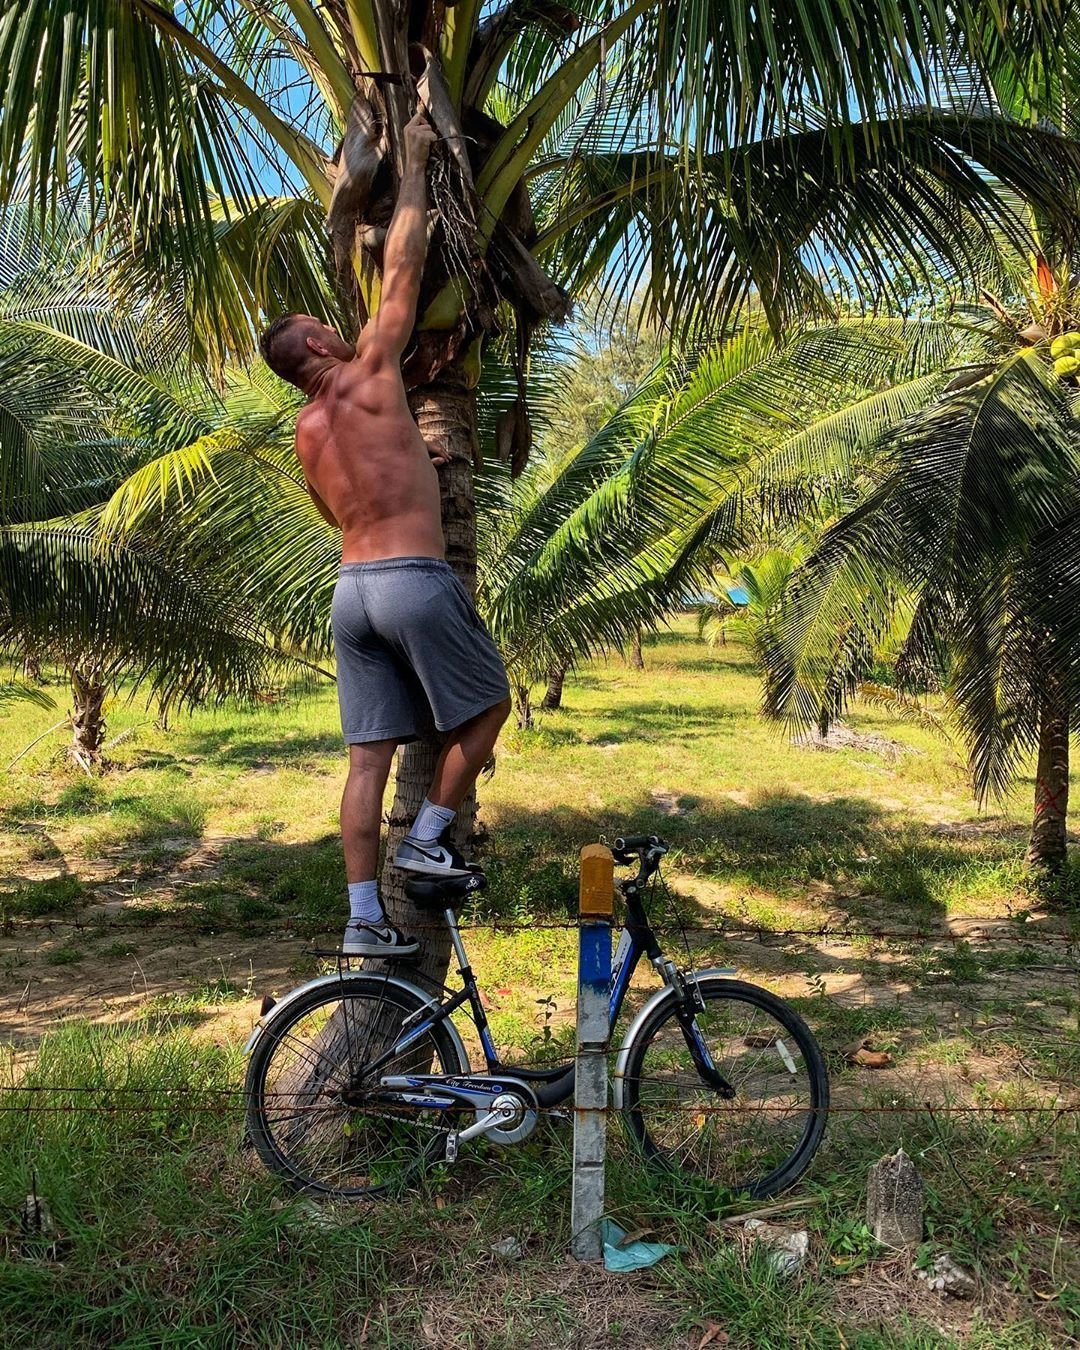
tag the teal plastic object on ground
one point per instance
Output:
(634, 1256)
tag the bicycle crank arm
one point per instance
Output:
(496, 1117)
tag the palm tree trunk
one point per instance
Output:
(523, 706)
(637, 661)
(87, 717)
(553, 694)
(1047, 849)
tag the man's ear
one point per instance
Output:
(314, 345)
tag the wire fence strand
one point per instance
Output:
(982, 929)
(565, 1110)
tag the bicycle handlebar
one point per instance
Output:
(645, 850)
(634, 843)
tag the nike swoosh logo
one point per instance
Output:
(440, 855)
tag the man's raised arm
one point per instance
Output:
(403, 257)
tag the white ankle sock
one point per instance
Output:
(364, 902)
(431, 822)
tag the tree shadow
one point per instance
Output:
(79, 799)
(261, 752)
(664, 719)
(843, 861)
(846, 857)
(780, 840)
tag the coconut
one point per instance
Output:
(1064, 345)
(1066, 366)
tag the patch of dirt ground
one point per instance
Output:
(104, 986)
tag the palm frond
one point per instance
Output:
(17, 691)
(804, 220)
(903, 707)
(978, 485)
(614, 532)
(235, 505)
(129, 609)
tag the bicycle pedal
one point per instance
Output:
(451, 1147)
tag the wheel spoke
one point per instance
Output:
(752, 1141)
(299, 1119)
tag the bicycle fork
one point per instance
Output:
(689, 1005)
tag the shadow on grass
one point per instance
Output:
(258, 752)
(782, 839)
(49, 896)
(870, 877)
(162, 1020)
(846, 851)
(666, 720)
(85, 797)
(114, 817)
(254, 885)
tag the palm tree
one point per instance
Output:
(967, 536)
(705, 149)
(966, 540)
(589, 545)
(744, 601)
(126, 612)
(81, 408)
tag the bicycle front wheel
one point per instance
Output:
(753, 1122)
(318, 1117)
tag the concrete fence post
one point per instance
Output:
(595, 906)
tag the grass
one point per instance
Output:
(146, 912)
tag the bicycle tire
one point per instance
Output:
(716, 990)
(355, 990)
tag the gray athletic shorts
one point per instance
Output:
(412, 652)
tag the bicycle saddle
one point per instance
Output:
(443, 892)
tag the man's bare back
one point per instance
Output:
(365, 460)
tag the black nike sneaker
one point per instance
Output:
(376, 939)
(432, 857)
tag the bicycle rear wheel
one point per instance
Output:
(760, 1135)
(314, 1115)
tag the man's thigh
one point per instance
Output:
(372, 758)
(454, 659)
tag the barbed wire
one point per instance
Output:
(1003, 930)
(564, 1110)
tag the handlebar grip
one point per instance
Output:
(630, 843)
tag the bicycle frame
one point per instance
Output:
(550, 1085)
(503, 1102)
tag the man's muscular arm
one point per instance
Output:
(388, 332)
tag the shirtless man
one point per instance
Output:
(412, 653)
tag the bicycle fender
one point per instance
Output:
(324, 981)
(666, 994)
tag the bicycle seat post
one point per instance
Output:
(455, 938)
(441, 895)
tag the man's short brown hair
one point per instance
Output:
(284, 346)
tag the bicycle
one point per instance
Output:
(359, 1080)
